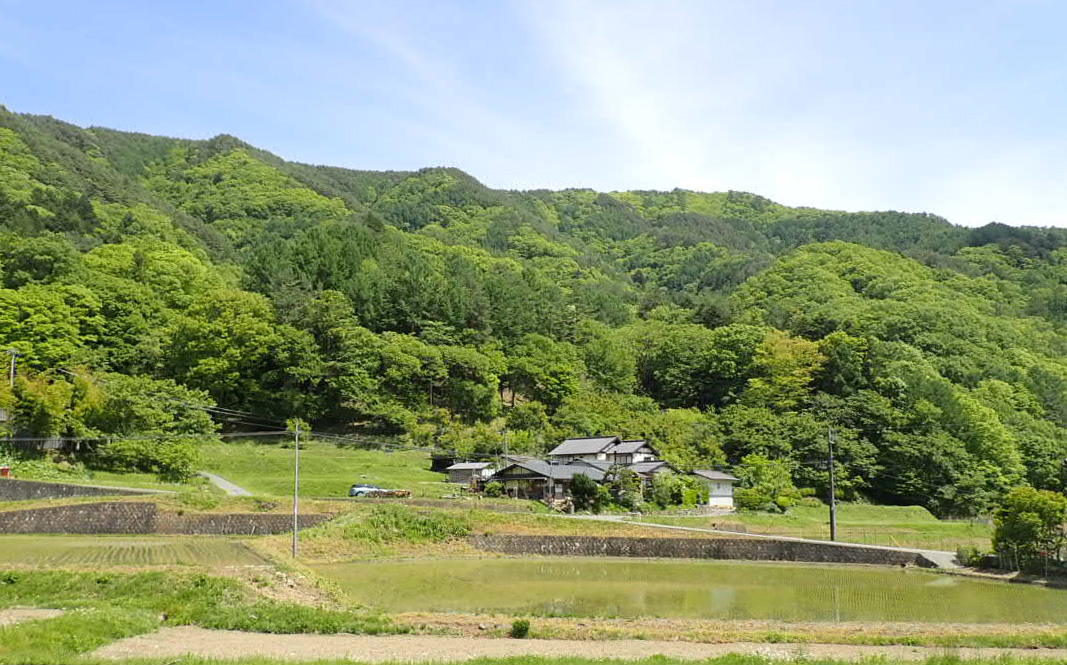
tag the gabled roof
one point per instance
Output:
(601, 464)
(629, 447)
(469, 465)
(584, 446)
(715, 475)
(649, 467)
(557, 471)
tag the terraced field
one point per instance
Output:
(109, 551)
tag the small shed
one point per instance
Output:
(463, 472)
(720, 488)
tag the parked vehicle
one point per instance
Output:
(362, 490)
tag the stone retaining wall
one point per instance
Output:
(144, 518)
(107, 517)
(29, 490)
(699, 548)
(234, 524)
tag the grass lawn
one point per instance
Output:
(900, 526)
(326, 470)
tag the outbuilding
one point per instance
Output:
(463, 473)
(720, 488)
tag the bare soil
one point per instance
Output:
(178, 642)
(717, 630)
(17, 615)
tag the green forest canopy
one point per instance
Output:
(428, 306)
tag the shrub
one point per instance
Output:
(520, 629)
(752, 498)
(584, 492)
(171, 459)
(494, 489)
(396, 523)
(969, 556)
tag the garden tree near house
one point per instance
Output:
(670, 489)
(589, 494)
(1029, 526)
(625, 487)
(765, 484)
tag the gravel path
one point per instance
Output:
(178, 642)
(224, 485)
(8, 617)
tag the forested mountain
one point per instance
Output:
(147, 278)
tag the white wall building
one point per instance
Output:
(720, 488)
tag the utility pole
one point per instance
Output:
(833, 500)
(296, 489)
(14, 354)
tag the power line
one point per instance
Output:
(136, 437)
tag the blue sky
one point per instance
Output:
(955, 108)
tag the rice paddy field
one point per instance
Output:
(692, 589)
(86, 552)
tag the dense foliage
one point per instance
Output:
(721, 327)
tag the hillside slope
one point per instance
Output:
(426, 305)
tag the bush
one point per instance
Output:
(171, 459)
(752, 498)
(969, 556)
(494, 489)
(520, 629)
(396, 523)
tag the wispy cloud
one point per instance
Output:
(827, 108)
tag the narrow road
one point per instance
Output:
(943, 559)
(177, 643)
(224, 485)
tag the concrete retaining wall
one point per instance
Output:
(29, 490)
(698, 548)
(143, 518)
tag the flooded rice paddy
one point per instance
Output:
(693, 589)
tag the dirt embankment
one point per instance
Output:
(18, 615)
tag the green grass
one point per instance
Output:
(326, 470)
(104, 607)
(899, 526)
(81, 552)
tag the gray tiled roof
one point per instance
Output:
(628, 447)
(648, 467)
(468, 465)
(560, 471)
(601, 464)
(585, 446)
(714, 475)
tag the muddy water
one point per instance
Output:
(693, 589)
